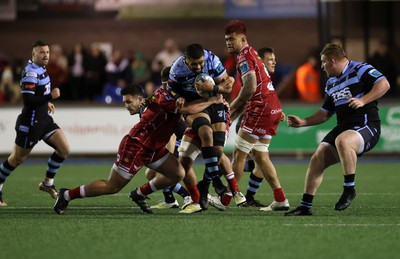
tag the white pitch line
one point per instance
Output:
(79, 208)
(267, 194)
(342, 225)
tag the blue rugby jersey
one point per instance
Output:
(35, 89)
(356, 80)
(181, 78)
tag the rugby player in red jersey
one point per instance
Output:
(261, 108)
(144, 145)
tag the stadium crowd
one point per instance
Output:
(92, 74)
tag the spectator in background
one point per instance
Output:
(60, 58)
(76, 72)
(164, 58)
(18, 67)
(58, 74)
(118, 72)
(94, 79)
(308, 80)
(383, 60)
(140, 69)
(149, 89)
(3, 62)
(9, 89)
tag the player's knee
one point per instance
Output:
(317, 161)
(64, 151)
(150, 174)
(179, 175)
(16, 160)
(219, 138)
(199, 122)
(111, 188)
(341, 143)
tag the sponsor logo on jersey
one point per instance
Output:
(260, 130)
(32, 74)
(375, 73)
(344, 93)
(220, 68)
(29, 86)
(244, 67)
(275, 111)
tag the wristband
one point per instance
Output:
(216, 89)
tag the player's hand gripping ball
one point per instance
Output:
(204, 76)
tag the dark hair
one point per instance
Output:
(261, 52)
(194, 51)
(39, 43)
(165, 73)
(132, 89)
(235, 26)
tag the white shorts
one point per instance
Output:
(189, 149)
(245, 146)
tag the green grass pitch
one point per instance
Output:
(113, 227)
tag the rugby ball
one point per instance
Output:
(201, 77)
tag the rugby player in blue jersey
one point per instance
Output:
(35, 123)
(210, 124)
(351, 91)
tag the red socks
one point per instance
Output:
(232, 182)
(75, 193)
(194, 193)
(145, 189)
(226, 198)
(279, 196)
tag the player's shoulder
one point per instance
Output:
(33, 70)
(208, 53)
(363, 68)
(209, 56)
(162, 95)
(178, 68)
(359, 66)
(331, 81)
(247, 53)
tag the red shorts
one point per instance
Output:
(262, 120)
(132, 156)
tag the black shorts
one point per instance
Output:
(216, 112)
(29, 135)
(370, 133)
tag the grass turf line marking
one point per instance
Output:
(342, 225)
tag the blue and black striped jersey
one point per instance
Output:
(36, 90)
(356, 80)
(181, 78)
